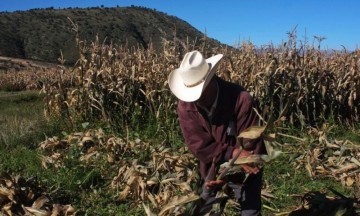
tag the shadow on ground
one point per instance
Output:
(316, 203)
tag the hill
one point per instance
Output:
(40, 34)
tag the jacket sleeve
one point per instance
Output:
(247, 117)
(197, 138)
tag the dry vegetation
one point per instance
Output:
(128, 87)
(164, 181)
(22, 74)
(111, 83)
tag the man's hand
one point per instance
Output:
(210, 185)
(246, 168)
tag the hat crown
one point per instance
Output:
(193, 68)
(189, 80)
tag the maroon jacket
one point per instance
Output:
(207, 139)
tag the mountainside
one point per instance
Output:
(40, 34)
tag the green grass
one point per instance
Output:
(288, 184)
(20, 118)
(86, 187)
(352, 135)
(21, 114)
(22, 128)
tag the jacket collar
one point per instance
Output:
(191, 106)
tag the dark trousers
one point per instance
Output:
(248, 195)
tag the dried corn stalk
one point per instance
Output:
(339, 159)
(19, 196)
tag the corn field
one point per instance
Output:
(21, 74)
(126, 86)
(120, 85)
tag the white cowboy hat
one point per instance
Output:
(189, 80)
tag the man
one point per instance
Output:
(212, 112)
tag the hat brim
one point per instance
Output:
(190, 94)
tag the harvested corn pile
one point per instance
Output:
(19, 196)
(165, 176)
(339, 159)
(163, 181)
(156, 177)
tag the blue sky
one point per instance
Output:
(232, 21)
